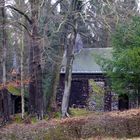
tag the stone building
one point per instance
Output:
(89, 87)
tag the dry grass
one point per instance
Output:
(104, 126)
(110, 138)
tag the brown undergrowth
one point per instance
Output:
(117, 124)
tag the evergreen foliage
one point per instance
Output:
(124, 68)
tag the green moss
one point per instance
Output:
(18, 119)
(17, 91)
(46, 117)
(96, 95)
(13, 90)
(97, 89)
(57, 115)
(33, 120)
(78, 112)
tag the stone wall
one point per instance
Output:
(96, 96)
(114, 102)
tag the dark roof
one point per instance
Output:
(85, 62)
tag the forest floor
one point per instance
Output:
(115, 125)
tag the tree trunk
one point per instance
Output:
(72, 19)
(35, 69)
(35, 85)
(66, 95)
(138, 96)
(1, 104)
(22, 75)
(55, 81)
(55, 70)
(31, 83)
(68, 75)
(6, 105)
(6, 96)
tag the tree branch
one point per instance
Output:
(55, 4)
(20, 12)
(25, 28)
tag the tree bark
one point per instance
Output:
(35, 69)
(68, 75)
(22, 75)
(55, 81)
(6, 96)
(138, 96)
(66, 95)
(72, 19)
(6, 105)
(35, 85)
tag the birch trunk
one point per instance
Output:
(66, 95)
(22, 75)
(72, 19)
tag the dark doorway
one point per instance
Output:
(79, 93)
(123, 102)
(17, 104)
(1, 104)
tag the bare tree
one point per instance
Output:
(71, 40)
